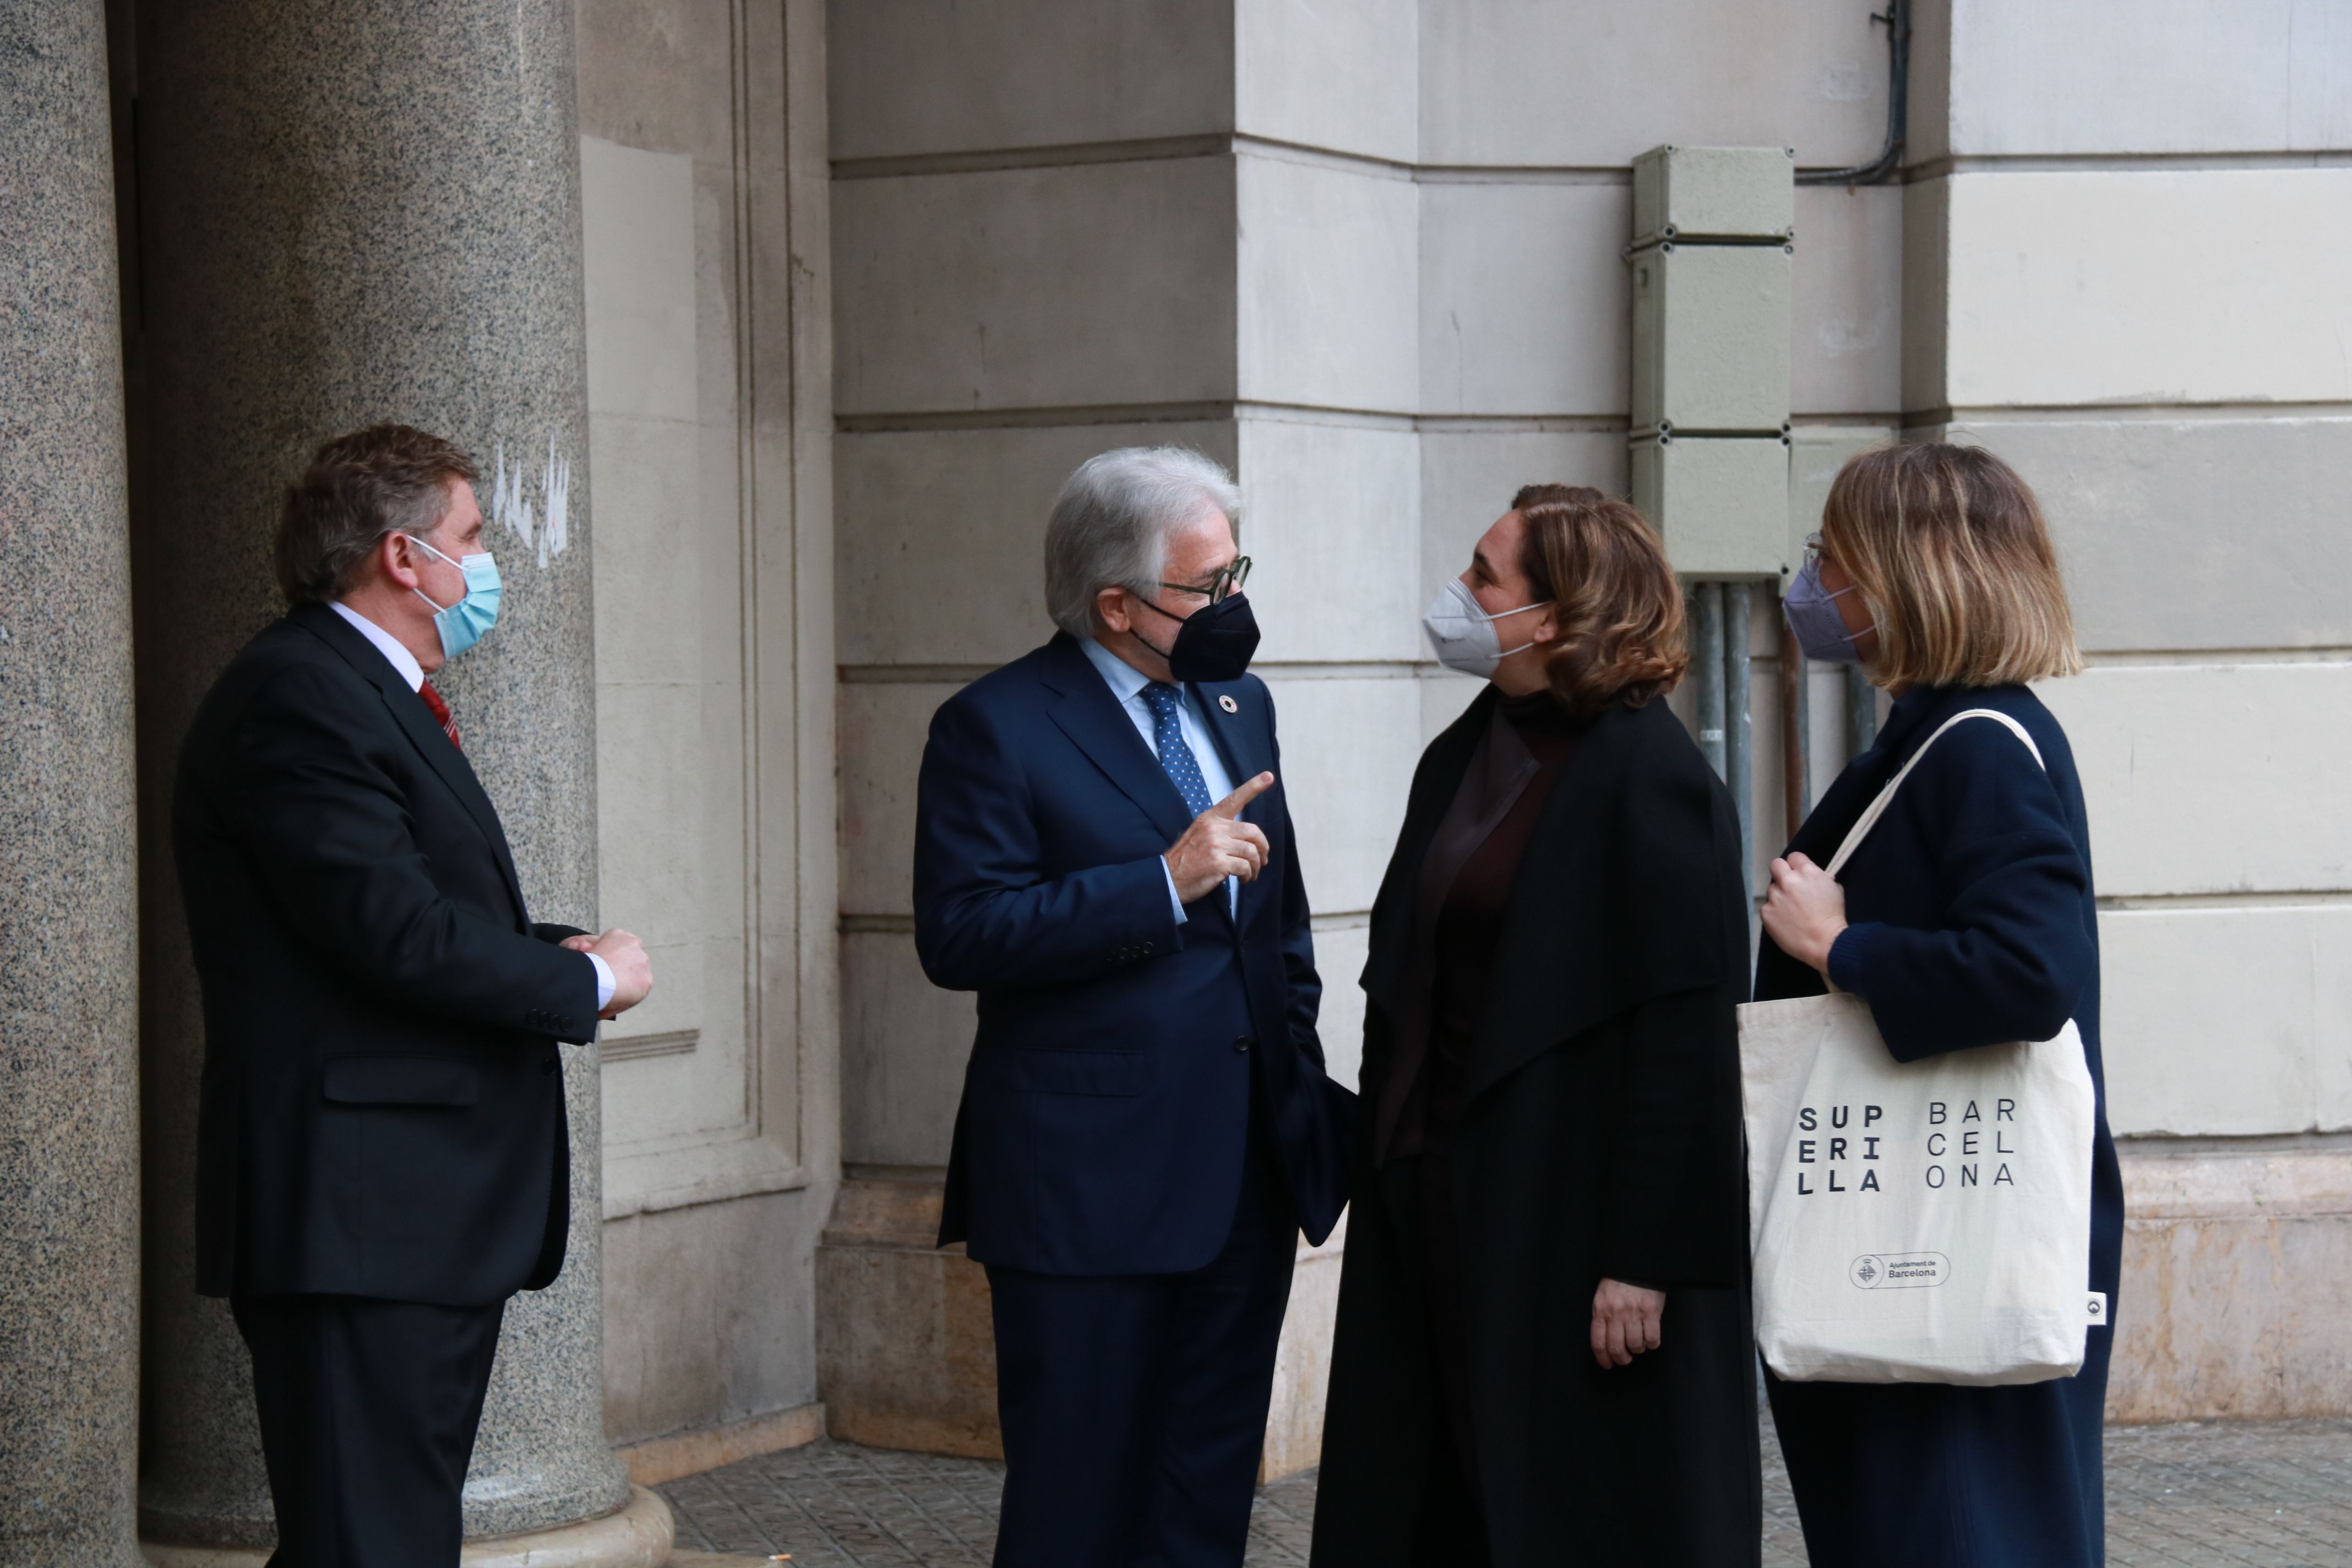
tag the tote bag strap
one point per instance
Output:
(1879, 807)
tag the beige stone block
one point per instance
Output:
(906, 1350)
(1525, 303)
(1332, 525)
(706, 1347)
(941, 534)
(882, 729)
(1302, 1360)
(1329, 285)
(2230, 1020)
(1341, 951)
(637, 221)
(647, 70)
(1443, 697)
(911, 76)
(2167, 752)
(2232, 1270)
(2148, 286)
(1349, 746)
(648, 545)
(2174, 534)
(1468, 476)
(2257, 76)
(1336, 77)
(1515, 82)
(1846, 357)
(904, 1044)
(1044, 287)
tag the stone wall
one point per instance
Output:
(1371, 256)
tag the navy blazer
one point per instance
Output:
(1972, 920)
(382, 1108)
(1109, 1093)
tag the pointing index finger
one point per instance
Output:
(1232, 804)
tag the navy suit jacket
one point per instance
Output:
(1108, 1094)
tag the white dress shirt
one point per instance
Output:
(1126, 684)
(405, 663)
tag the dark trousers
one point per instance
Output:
(368, 1414)
(1134, 1406)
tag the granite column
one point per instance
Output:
(68, 989)
(352, 213)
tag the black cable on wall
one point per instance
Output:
(1898, 20)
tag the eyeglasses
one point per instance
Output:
(1223, 586)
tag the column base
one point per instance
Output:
(639, 1536)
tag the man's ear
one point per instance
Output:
(1110, 609)
(395, 556)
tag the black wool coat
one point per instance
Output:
(1599, 1138)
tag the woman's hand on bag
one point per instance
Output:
(1805, 911)
(1625, 1321)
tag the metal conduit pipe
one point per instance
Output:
(1860, 712)
(1795, 736)
(1739, 733)
(1707, 670)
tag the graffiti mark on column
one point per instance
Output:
(546, 529)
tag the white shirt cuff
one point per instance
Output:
(604, 982)
(1174, 901)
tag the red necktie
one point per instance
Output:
(441, 714)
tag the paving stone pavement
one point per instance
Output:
(2273, 1494)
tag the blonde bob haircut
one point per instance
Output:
(1948, 548)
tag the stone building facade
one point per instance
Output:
(777, 325)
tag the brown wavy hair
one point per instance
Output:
(1950, 550)
(386, 479)
(1616, 599)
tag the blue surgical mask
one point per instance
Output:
(461, 625)
(1812, 613)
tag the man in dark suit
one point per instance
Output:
(382, 1152)
(1146, 1122)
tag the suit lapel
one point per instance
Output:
(424, 732)
(1237, 742)
(1091, 717)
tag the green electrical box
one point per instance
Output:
(1711, 338)
(1712, 247)
(1740, 194)
(1721, 502)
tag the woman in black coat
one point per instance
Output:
(1543, 1349)
(1965, 919)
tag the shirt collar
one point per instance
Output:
(385, 644)
(1125, 679)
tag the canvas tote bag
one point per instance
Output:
(1928, 1222)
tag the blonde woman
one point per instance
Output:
(1965, 919)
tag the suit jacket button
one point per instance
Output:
(1243, 1043)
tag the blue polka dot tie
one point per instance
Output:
(1168, 734)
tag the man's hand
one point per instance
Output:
(1805, 911)
(624, 956)
(1217, 845)
(1625, 1320)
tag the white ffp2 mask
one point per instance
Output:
(1462, 634)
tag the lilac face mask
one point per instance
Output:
(1812, 613)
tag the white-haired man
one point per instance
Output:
(1103, 851)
